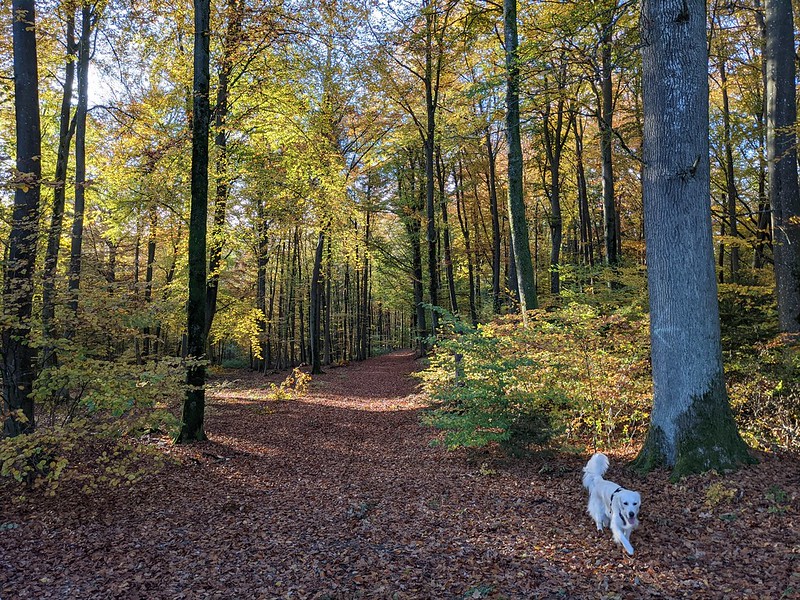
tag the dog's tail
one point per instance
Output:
(594, 469)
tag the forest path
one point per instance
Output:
(339, 494)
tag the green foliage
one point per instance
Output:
(94, 417)
(89, 455)
(572, 370)
(762, 369)
(778, 499)
(84, 386)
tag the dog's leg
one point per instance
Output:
(620, 537)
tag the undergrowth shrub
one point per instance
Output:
(762, 368)
(573, 371)
(94, 418)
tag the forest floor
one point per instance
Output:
(340, 494)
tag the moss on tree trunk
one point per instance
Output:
(706, 438)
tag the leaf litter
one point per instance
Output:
(339, 494)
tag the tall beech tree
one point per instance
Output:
(692, 427)
(784, 194)
(88, 20)
(526, 278)
(17, 354)
(65, 132)
(194, 404)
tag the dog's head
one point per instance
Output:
(628, 503)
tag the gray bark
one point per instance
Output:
(692, 428)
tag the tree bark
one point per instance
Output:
(17, 354)
(526, 278)
(784, 195)
(76, 248)
(194, 403)
(606, 115)
(65, 132)
(586, 249)
(491, 154)
(731, 193)
(448, 255)
(235, 13)
(315, 310)
(692, 428)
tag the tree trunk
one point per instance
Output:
(65, 132)
(84, 53)
(461, 212)
(586, 249)
(692, 428)
(448, 255)
(194, 403)
(327, 300)
(17, 354)
(606, 114)
(763, 232)
(731, 193)
(148, 278)
(784, 196)
(363, 335)
(526, 278)
(315, 310)
(235, 14)
(493, 207)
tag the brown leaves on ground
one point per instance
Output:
(339, 494)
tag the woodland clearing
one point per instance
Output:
(340, 494)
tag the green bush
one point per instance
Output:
(94, 417)
(571, 371)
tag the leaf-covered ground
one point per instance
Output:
(340, 494)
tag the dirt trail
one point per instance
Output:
(340, 494)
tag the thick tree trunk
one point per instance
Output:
(526, 278)
(17, 354)
(784, 195)
(194, 403)
(692, 428)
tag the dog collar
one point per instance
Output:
(611, 505)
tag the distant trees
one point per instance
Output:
(692, 428)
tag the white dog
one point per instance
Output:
(610, 504)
